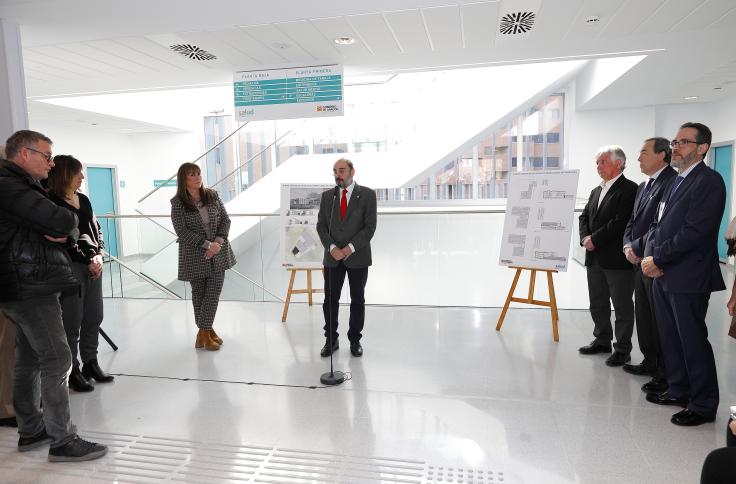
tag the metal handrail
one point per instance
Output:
(239, 167)
(195, 160)
(166, 229)
(380, 212)
(153, 282)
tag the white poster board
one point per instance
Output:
(539, 219)
(300, 244)
(301, 92)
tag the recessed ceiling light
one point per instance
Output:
(345, 40)
(691, 98)
(717, 88)
(280, 45)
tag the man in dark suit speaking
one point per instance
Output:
(610, 275)
(682, 257)
(346, 223)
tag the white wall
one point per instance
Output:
(586, 131)
(138, 159)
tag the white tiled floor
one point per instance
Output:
(435, 388)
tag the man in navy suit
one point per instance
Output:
(346, 223)
(682, 256)
(654, 161)
(610, 276)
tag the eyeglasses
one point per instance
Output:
(48, 156)
(683, 142)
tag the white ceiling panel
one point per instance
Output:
(334, 27)
(373, 30)
(310, 39)
(240, 40)
(479, 24)
(105, 58)
(51, 57)
(227, 54)
(144, 46)
(444, 27)
(279, 43)
(67, 53)
(668, 16)
(631, 14)
(603, 9)
(725, 22)
(705, 15)
(120, 51)
(554, 19)
(410, 31)
(45, 71)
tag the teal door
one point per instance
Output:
(722, 163)
(101, 186)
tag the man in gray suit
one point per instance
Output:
(346, 223)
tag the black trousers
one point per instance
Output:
(606, 286)
(646, 323)
(334, 279)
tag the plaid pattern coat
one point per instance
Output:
(192, 236)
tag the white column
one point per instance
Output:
(14, 114)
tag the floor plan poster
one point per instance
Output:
(539, 217)
(300, 244)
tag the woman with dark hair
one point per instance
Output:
(82, 310)
(202, 226)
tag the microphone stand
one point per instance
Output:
(332, 377)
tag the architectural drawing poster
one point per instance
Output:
(539, 219)
(300, 244)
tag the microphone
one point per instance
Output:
(332, 377)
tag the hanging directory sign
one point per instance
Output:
(539, 219)
(302, 92)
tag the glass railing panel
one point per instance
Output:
(119, 281)
(420, 257)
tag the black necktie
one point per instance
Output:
(647, 188)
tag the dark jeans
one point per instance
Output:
(82, 315)
(606, 286)
(334, 279)
(42, 365)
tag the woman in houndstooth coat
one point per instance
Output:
(202, 226)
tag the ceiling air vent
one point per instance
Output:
(517, 23)
(193, 52)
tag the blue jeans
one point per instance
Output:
(42, 365)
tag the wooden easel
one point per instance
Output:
(309, 290)
(551, 304)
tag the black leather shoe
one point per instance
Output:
(667, 399)
(326, 351)
(92, 370)
(8, 422)
(688, 418)
(655, 385)
(617, 359)
(356, 349)
(594, 348)
(78, 382)
(642, 369)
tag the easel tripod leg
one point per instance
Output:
(508, 300)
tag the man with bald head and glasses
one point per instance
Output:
(34, 270)
(682, 257)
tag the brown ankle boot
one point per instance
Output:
(209, 343)
(216, 337)
(199, 342)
